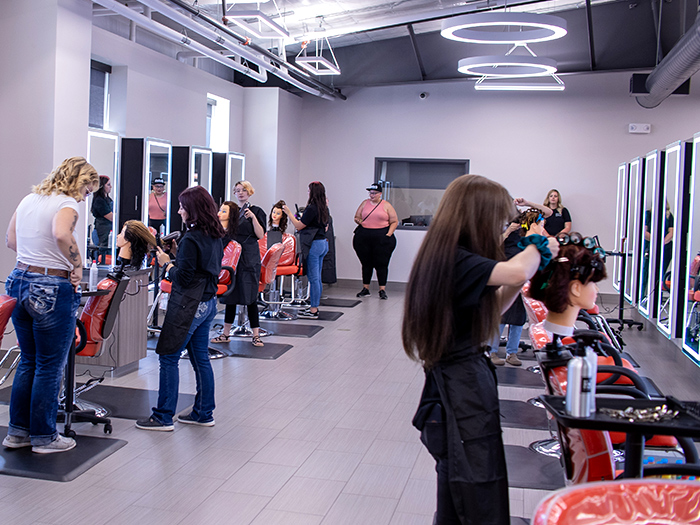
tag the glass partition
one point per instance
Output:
(234, 173)
(200, 167)
(620, 223)
(691, 317)
(652, 170)
(636, 173)
(668, 211)
(156, 182)
(100, 212)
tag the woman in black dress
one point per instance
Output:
(250, 228)
(458, 288)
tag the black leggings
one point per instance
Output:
(374, 250)
(253, 316)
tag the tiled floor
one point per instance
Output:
(321, 435)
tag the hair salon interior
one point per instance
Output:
(593, 98)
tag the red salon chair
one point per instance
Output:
(286, 266)
(7, 304)
(623, 502)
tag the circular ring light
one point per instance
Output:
(507, 66)
(480, 28)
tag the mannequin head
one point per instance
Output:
(568, 283)
(228, 217)
(134, 242)
(531, 222)
(277, 216)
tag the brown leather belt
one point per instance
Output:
(45, 271)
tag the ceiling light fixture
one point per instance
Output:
(262, 21)
(507, 66)
(484, 84)
(480, 28)
(318, 64)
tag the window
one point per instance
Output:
(415, 186)
(99, 94)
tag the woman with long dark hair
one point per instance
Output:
(457, 290)
(191, 309)
(312, 228)
(248, 228)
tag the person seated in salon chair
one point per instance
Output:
(134, 242)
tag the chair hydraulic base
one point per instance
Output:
(242, 328)
(547, 447)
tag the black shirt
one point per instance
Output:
(101, 206)
(312, 220)
(472, 272)
(198, 256)
(556, 222)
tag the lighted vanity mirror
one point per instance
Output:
(99, 212)
(234, 173)
(200, 167)
(669, 210)
(691, 317)
(620, 223)
(636, 172)
(649, 198)
(156, 184)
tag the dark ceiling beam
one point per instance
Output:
(414, 44)
(591, 45)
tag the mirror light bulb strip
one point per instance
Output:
(503, 28)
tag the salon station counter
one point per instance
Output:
(122, 351)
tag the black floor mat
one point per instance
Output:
(241, 347)
(515, 520)
(340, 303)
(530, 470)
(121, 402)
(625, 355)
(510, 376)
(323, 315)
(290, 328)
(65, 466)
(519, 414)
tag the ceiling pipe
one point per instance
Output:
(681, 63)
(174, 36)
(284, 70)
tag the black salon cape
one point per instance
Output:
(248, 269)
(194, 278)
(464, 383)
(516, 314)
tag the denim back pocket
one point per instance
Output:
(42, 297)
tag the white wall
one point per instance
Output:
(529, 142)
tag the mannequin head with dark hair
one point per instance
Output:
(568, 283)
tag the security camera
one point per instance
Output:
(423, 95)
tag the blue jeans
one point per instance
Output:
(314, 265)
(44, 319)
(197, 344)
(514, 333)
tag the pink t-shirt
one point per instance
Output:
(157, 206)
(373, 220)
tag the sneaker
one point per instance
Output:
(16, 441)
(382, 294)
(512, 359)
(60, 444)
(308, 314)
(153, 424)
(363, 292)
(497, 360)
(187, 420)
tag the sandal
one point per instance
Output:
(221, 338)
(257, 341)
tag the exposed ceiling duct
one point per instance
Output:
(681, 63)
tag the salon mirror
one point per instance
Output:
(620, 223)
(99, 212)
(200, 167)
(668, 210)
(633, 220)
(156, 183)
(236, 172)
(691, 317)
(652, 170)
